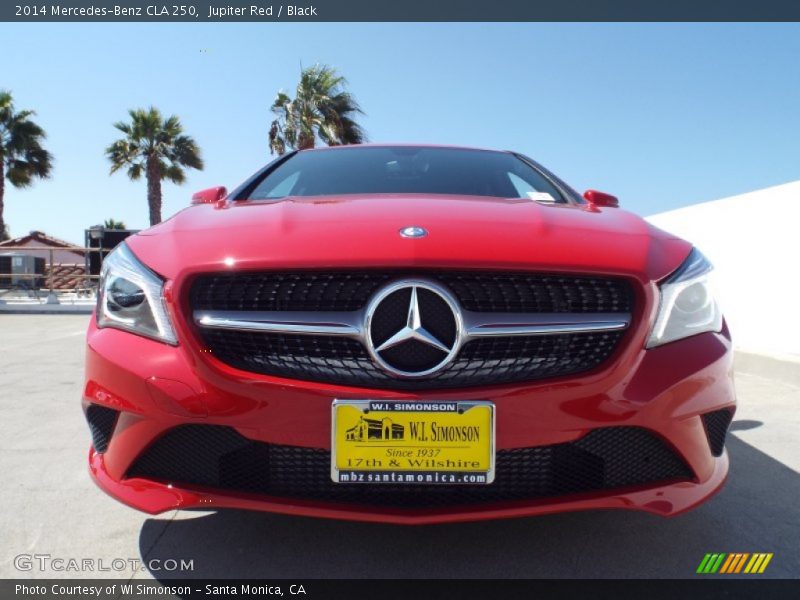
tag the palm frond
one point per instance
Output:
(174, 174)
(18, 174)
(185, 152)
(277, 145)
(135, 171)
(21, 144)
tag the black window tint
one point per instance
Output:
(404, 170)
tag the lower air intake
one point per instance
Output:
(218, 457)
(716, 424)
(101, 424)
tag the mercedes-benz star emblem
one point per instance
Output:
(413, 328)
(413, 232)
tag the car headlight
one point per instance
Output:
(687, 304)
(131, 297)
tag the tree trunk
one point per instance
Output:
(2, 192)
(154, 190)
(304, 142)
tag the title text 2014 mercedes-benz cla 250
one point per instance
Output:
(410, 334)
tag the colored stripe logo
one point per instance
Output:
(736, 562)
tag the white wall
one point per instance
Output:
(754, 242)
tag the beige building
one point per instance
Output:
(68, 266)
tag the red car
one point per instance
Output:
(408, 334)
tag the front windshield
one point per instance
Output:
(405, 170)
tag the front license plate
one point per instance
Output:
(376, 441)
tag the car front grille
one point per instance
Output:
(345, 361)
(219, 458)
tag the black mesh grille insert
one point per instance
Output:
(345, 361)
(527, 292)
(302, 290)
(483, 291)
(218, 457)
(716, 424)
(101, 424)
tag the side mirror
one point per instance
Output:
(600, 198)
(210, 196)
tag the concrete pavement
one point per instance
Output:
(52, 508)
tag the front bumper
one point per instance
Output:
(156, 388)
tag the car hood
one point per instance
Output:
(363, 231)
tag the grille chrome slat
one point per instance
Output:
(350, 323)
(299, 323)
(524, 324)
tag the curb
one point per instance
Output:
(45, 309)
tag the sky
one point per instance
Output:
(661, 115)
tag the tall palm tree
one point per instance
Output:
(156, 147)
(22, 157)
(321, 108)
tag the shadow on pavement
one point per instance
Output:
(756, 512)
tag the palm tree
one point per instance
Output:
(157, 148)
(321, 108)
(22, 157)
(112, 224)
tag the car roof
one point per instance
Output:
(402, 145)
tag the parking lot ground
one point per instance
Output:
(51, 507)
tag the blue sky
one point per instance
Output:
(662, 115)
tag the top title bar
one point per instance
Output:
(400, 10)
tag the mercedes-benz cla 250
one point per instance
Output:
(410, 334)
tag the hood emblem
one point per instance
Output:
(413, 231)
(413, 328)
